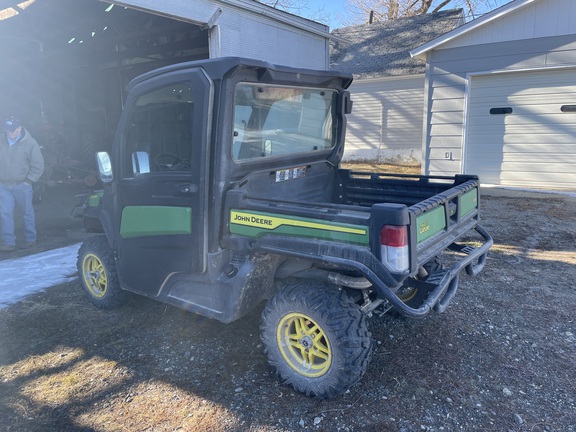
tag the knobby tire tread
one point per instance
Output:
(351, 343)
(115, 296)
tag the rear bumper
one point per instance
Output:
(442, 285)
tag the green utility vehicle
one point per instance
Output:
(223, 190)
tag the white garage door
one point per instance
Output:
(522, 129)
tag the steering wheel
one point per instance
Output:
(165, 161)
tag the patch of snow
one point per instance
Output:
(21, 277)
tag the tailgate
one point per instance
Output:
(438, 221)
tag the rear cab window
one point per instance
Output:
(274, 121)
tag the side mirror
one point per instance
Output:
(140, 163)
(104, 167)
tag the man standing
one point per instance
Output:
(21, 165)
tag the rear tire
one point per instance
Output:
(414, 297)
(316, 338)
(97, 271)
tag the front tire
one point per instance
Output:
(97, 271)
(316, 338)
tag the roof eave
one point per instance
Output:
(255, 8)
(422, 50)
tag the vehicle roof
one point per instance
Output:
(218, 68)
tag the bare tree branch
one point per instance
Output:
(297, 7)
(441, 5)
(358, 11)
(385, 10)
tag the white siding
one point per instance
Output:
(245, 28)
(260, 38)
(542, 18)
(535, 145)
(448, 74)
(386, 122)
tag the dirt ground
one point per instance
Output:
(501, 358)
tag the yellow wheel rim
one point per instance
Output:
(304, 345)
(94, 275)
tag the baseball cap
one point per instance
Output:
(11, 124)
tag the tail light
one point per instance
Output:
(394, 247)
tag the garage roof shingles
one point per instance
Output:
(383, 48)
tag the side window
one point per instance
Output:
(158, 136)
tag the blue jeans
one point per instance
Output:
(12, 196)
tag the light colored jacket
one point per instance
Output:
(21, 161)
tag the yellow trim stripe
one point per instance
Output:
(273, 222)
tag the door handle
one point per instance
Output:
(188, 189)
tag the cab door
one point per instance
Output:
(161, 196)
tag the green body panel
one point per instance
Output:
(468, 202)
(141, 221)
(94, 199)
(430, 223)
(256, 224)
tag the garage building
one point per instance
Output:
(388, 88)
(501, 97)
(66, 63)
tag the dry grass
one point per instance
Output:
(37, 365)
(159, 404)
(382, 167)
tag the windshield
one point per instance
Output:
(275, 120)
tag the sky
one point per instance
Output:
(21, 277)
(336, 9)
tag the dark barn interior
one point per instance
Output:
(65, 64)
